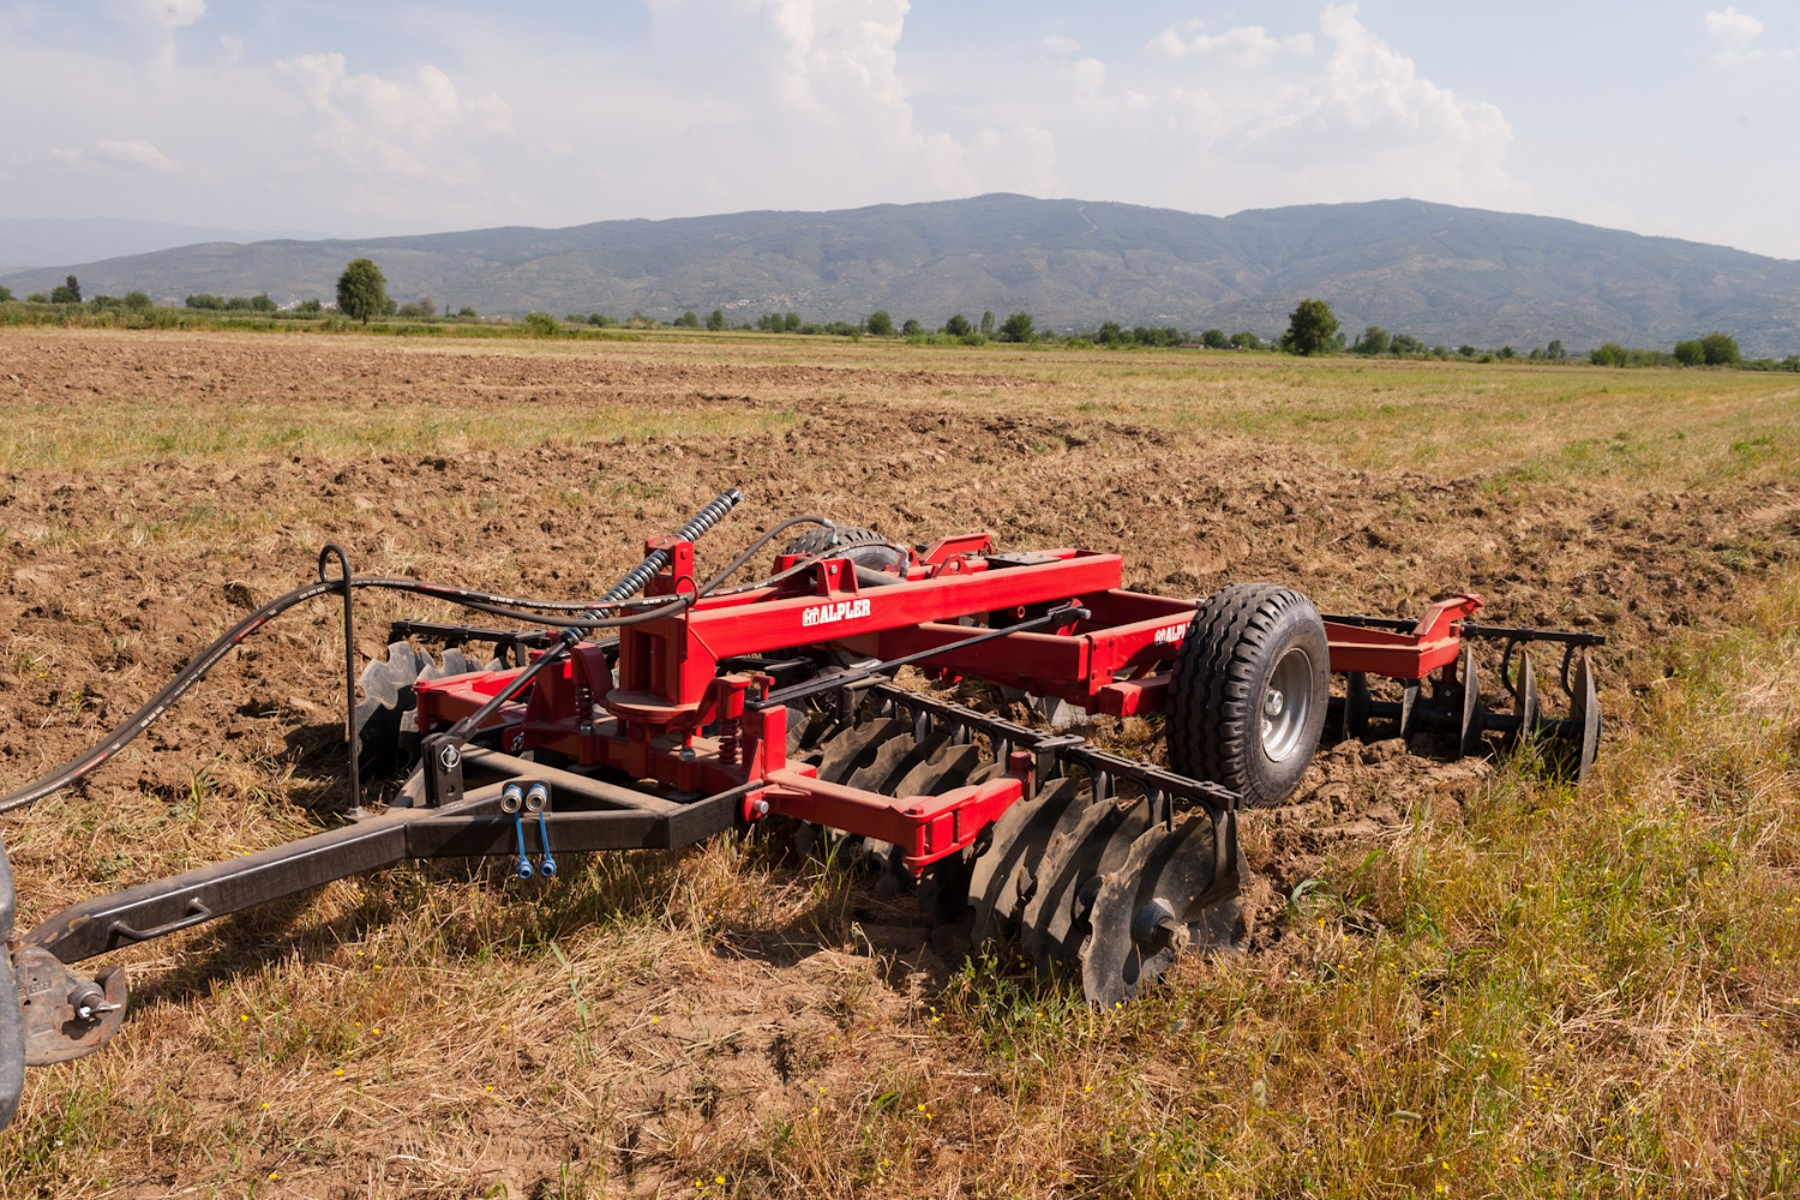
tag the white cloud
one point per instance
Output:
(1734, 36)
(232, 48)
(1059, 43)
(1245, 46)
(410, 128)
(135, 153)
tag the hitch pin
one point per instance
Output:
(512, 800)
(537, 800)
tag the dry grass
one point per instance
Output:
(1520, 989)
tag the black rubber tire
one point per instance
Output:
(1222, 673)
(864, 547)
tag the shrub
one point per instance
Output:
(1609, 354)
(1690, 353)
(911, 328)
(541, 324)
(1720, 349)
(687, 320)
(1017, 328)
(958, 326)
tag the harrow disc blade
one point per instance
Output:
(893, 757)
(1005, 877)
(1168, 894)
(845, 751)
(456, 662)
(387, 687)
(945, 770)
(1469, 735)
(1583, 726)
(1525, 705)
(1070, 860)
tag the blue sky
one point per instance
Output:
(351, 119)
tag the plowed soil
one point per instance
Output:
(155, 487)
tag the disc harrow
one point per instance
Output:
(673, 708)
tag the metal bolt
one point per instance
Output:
(762, 808)
(448, 757)
(1273, 703)
(87, 1000)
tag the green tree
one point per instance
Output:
(262, 303)
(1374, 341)
(1406, 344)
(715, 320)
(1555, 351)
(879, 324)
(1609, 354)
(987, 323)
(541, 324)
(911, 328)
(958, 326)
(138, 301)
(1017, 328)
(37, 298)
(1110, 333)
(791, 322)
(1214, 339)
(1690, 353)
(687, 320)
(311, 305)
(66, 293)
(464, 311)
(1311, 328)
(1245, 340)
(5, 294)
(1720, 349)
(362, 291)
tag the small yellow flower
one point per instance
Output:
(718, 1179)
(265, 1106)
(339, 1071)
(274, 1175)
(243, 1016)
(376, 1032)
(653, 1020)
(378, 966)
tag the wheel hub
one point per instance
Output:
(1287, 702)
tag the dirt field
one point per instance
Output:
(1450, 991)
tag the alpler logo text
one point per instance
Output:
(1171, 633)
(831, 614)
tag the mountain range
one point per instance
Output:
(1444, 274)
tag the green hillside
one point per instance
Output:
(1444, 274)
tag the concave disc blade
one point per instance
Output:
(456, 662)
(944, 771)
(1167, 895)
(1585, 717)
(1470, 740)
(1356, 705)
(1004, 877)
(1069, 861)
(843, 752)
(1525, 705)
(889, 761)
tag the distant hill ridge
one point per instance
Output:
(1444, 274)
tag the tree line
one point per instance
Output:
(1313, 329)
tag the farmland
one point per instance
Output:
(1464, 977)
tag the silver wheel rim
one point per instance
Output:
(1286, 704)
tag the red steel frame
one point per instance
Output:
(647, 719)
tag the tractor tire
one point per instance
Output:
(864, 547)
(1250, 689)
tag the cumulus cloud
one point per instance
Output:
(1060, 43)
(1734, 37)
(1246, 46)
(135, 152)
(403, 125)
(1278, 119)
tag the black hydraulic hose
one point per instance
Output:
(633, 581)
(737, 563)
(594, 615)
(79, 768)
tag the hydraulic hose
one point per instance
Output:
(594, 615)
(632, 582)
